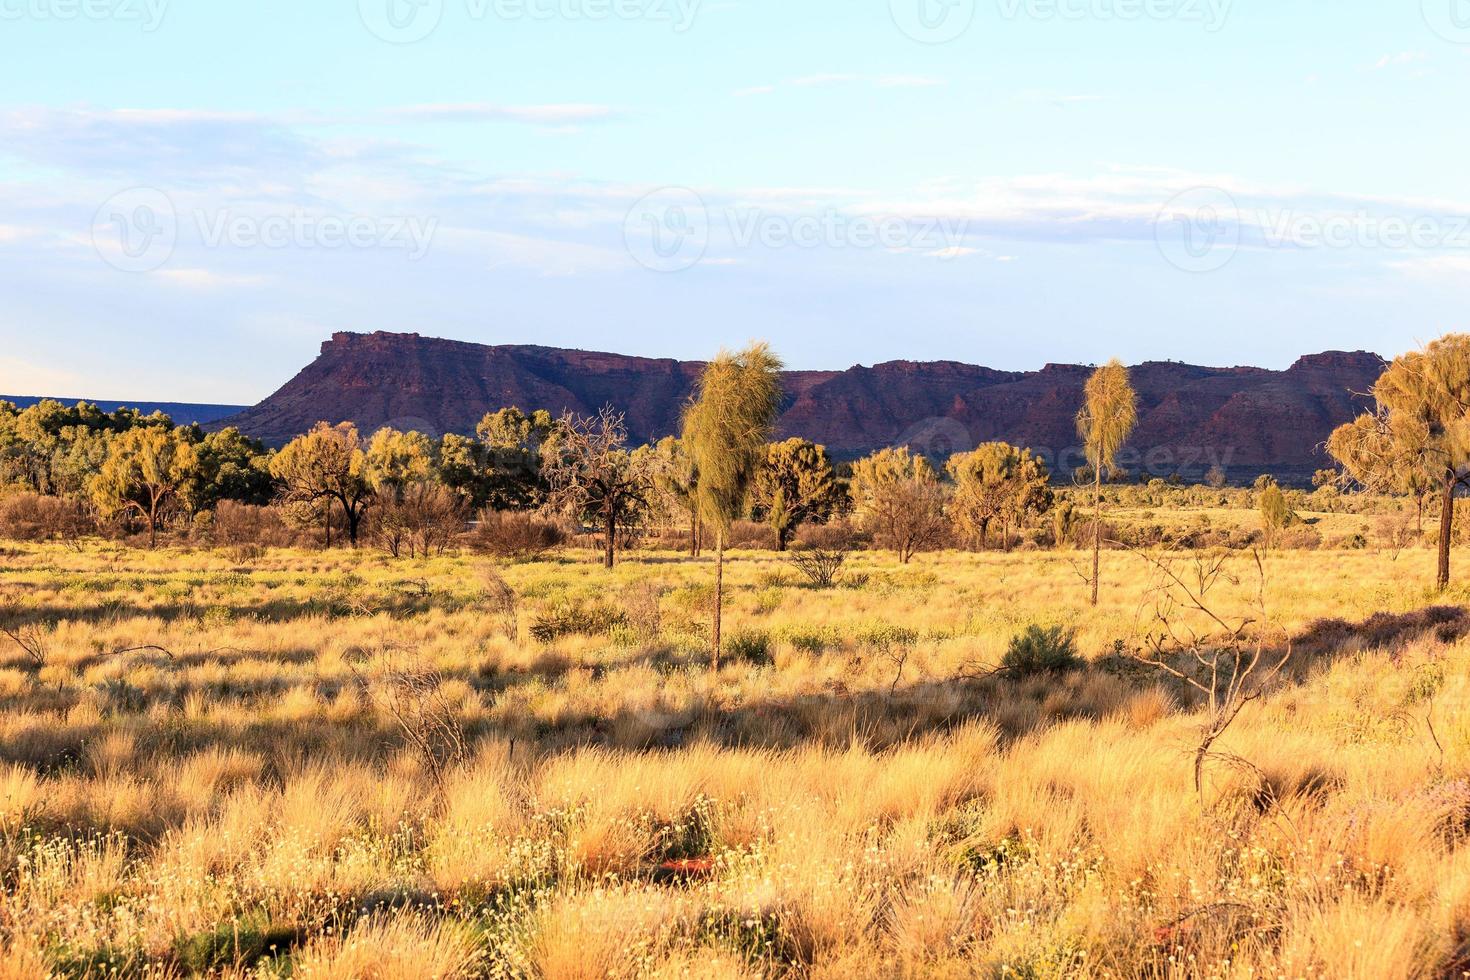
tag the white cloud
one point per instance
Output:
(831, 79)
(206, 279)
(561, 114)
(1454, 268)
(1400, 59)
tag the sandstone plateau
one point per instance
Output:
(1246, 420)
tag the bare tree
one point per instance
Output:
(1229, 658)
(898, 498)
(592, 474)
(421, 520)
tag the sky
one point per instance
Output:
(195, 194)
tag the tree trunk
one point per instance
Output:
(354, 519)
(609, 540)
(694, 535)
(719, 595)
(1446, 530)
(328, 510)
(1096, 533)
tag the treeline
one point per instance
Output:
(525, 482)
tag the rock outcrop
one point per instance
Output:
(1244, 420)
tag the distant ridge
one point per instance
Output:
(183, 413)
(1245, 420)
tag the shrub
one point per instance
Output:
(751, 646)
(831, 537)
(818, 566)
(501, 600)
(571, 618)
(515, 534)
(1042, 650)
(749, 536)
(246, 528)
(31, 517)
(421, 522)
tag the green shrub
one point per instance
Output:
(751, 646)
(1042, 650)
(573, 618)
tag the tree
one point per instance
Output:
(514, 478)
(676, 483)
(726, 429)
(1109, 413)
(592, 474)
(327, 465)
(144, 470)
(897, 498)
(395, 461)
(1373, 457)
(1421, 428)
(997, 482)
(795, 485)
(230, 466)
(1276, 513)
(462, 468)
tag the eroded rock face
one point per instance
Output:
(1246, 420)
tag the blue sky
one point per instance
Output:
(194, 195)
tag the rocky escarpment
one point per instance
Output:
(1245, 420)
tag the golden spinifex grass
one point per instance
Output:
(337, 765)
